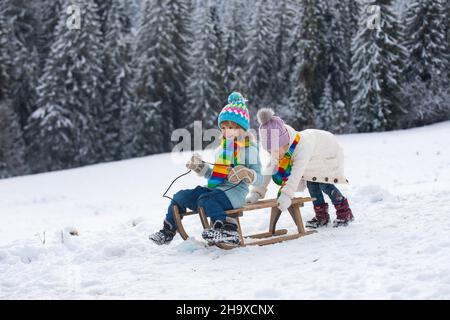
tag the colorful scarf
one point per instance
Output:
(285, 166)
(227, 158)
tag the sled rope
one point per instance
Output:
(180, 176)
(185, 174)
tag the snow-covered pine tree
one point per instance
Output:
(425, 39)
(299, 107)
(339, 61)
(308, 68)
(12, 146)
(5, 57)
(103, 7)
(284, 13)
(64, 130)
(377, 67)
(118, 76)
(162, 70)
(182, 12)
(354, 11)
(448, 22)
(206, 88)
(430, 103)
(427, 90)
(21, 16)
(259, 56)
(49, 13)
(324, 113)
(234, 32)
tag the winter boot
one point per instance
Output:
(165, 235)
(343, 214)
(222, 232)
(321, 219)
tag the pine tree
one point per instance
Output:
(182, 37)
(206, 90)
(21, 16)
(12, 146)
(307, 52)
(426, 41)
(64, 130)
(118, 90)
(104, 8)
(429, 63)
(324, 113)
(162, 70)
(49, 13)
(299, 108)
(448, 22)
(331, 114)
(234, 43)
(285, 13)
(339, 61)
(430, 103)
(377, 67)
(259, 56)
(5, 58)
(354, 11)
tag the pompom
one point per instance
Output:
(265, 115)
(236, 98)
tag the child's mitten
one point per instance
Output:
(253, 197)
(241, 173)
(195, 163)
(284, 202)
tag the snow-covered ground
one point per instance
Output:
(397, 248)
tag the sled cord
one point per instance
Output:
(185, 174)
(165, 193)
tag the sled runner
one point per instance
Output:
(261, 239)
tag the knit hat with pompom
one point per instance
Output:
(236, 111)
(272, 131)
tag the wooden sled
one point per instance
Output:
(260, 239)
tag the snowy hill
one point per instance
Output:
(398, 247)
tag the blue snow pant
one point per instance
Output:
(317, 189)
(214, 201)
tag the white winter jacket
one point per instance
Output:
(318, 157)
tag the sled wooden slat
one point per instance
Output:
(241, 237)
(177, 218)
(297, 217)
(271, 203)
(190, 213)
(266, 242)
(280, 239)
(204, 218)
(274, 216)
(265, 238)
(268, 234)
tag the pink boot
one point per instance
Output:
(343, 214)
(321, 219)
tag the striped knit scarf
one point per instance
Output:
(285, 166)
(227, 158)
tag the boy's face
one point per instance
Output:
(231, 130)
(278, 154)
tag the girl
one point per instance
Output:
(311, 156)
(237, 166)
